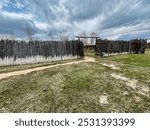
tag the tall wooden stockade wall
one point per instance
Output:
(108, 47)
(21, 52)
(148, 45)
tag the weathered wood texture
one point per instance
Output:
(21, 52)
(111, 47)
(148, 45)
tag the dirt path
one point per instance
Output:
(15, 73)
(132, 83)
(113, 66)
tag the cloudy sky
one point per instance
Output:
(112, 19)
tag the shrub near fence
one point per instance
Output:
(21, 52)
(108, 47)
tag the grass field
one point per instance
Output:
(111, 84)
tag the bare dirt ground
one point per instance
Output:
(134, 84)
(113, 66)
(22, 72)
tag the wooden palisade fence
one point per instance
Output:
(148, 45)
(108, 47)
(21, 52)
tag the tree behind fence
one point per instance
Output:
(21, 52)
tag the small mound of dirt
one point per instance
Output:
(111, 66)
(103, 100)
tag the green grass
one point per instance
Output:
(78, 87)
(142, 60)
(133, 65)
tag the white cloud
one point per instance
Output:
(14, 15)
(19, 5)
(41, 25)
(111, 19)
(117, 32)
